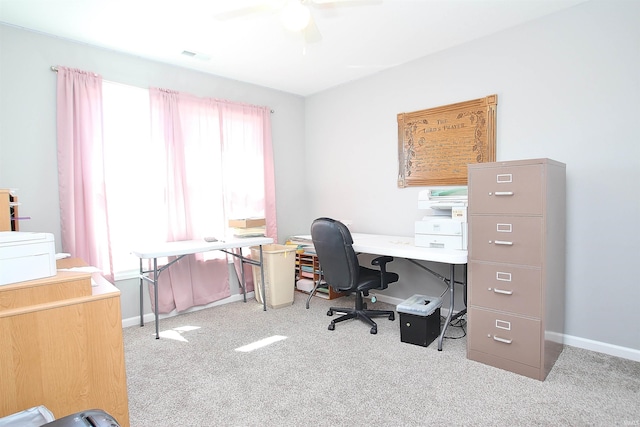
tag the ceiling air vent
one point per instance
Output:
(196, 55)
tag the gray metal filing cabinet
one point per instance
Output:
(516, 270)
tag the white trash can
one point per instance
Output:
(279, 265)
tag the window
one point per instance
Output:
(130, 175)
(224, 173)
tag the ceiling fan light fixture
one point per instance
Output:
(295, 16)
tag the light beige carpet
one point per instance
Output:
(317, 377)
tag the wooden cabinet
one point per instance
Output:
(308, 267)
(64, 285)
(8, 211)
(516, 270)
(62, 346)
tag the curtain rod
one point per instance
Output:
(54, 68)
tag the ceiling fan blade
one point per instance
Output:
(311, 33)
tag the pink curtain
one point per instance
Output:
(269, 179)
(247, 129)
(83, 202)
(208, 144)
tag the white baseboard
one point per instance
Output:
(602, 347)
(584, 343)
(149, 317)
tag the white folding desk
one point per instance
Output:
(188, 247)
(404, 247)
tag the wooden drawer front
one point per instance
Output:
(506, 288)
(515, 240)
(503, 335)
(63, 285)
(507, 190)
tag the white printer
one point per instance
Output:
(445, 222)
(26, 256)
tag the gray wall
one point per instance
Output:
(568, 87)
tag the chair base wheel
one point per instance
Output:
(374, 330)
(330, 313)
(392, 317)
(332, 326)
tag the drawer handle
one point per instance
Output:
(503, 193)
(502, 291)
(503, 242)
(504, 340)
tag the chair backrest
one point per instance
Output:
(338, 261)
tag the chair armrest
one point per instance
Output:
(381, 260)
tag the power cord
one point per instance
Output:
(460, 322)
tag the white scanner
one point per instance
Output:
(445, 223)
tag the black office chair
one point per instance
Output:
(340, 268)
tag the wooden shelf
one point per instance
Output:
(8, 211)
(308, 267)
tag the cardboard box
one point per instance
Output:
(247, 222)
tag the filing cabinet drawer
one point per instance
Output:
(506, 190)
(509, 239)
(507, 288)
(506, 336)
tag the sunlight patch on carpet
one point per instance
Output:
(261, 343)
(177, 333)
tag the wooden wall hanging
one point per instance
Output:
(435, 145)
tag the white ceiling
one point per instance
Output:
(357, 39)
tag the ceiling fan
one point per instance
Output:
(295, 15)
